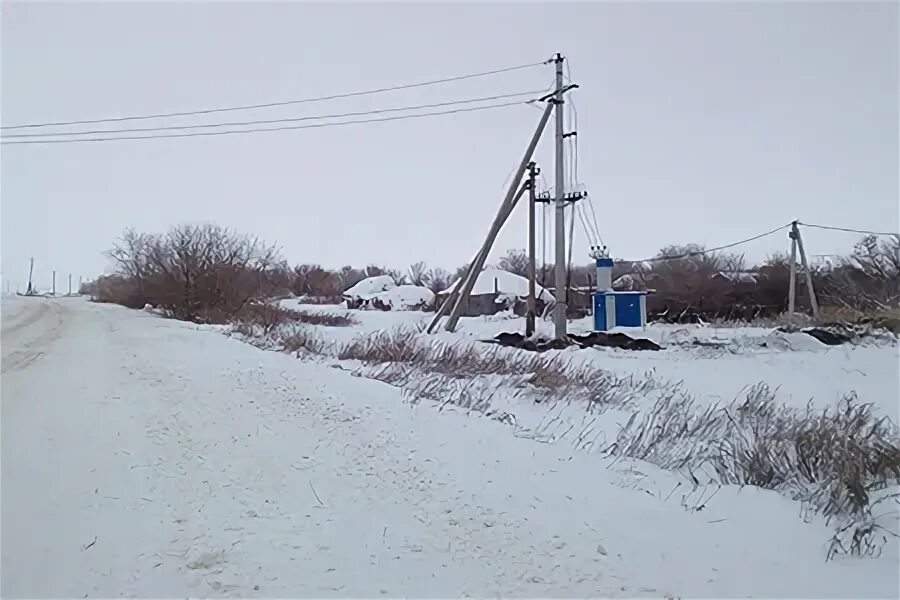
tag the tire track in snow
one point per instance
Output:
(205, 467)
(28, 338)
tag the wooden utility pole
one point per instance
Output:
(792, 287)
(509, 202)
(559, 315)
(809, 282)
(532, 302)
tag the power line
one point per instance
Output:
(271, 121)
(268, 129)
(207, 111)
(708, 250)
(590, 200)
(593, 235)
(862, 231)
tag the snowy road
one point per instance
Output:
(143, 457)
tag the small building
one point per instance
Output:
(357, 295)
(497, 290)
(616, 309)
(402, 297)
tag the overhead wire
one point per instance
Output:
(207, 111)
(848, 230)
(592, 218)
(273, 121)
(266, 129)
(708, 250)
(571, 246)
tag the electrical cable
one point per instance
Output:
(848, 230)
(574, 117)
(272, 121)
(268, 129)
(207, 111)
(545, 245)
(585, 225)
(708, 250)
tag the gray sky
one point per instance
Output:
(697, 123)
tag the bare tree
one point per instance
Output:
(418, 274)
(197, 272)
(515, 261)
(438, 280)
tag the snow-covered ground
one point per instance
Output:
(147, 457)
(799, 366)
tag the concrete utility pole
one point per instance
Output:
(792, 287)
(559, 314)
(30, 289)
(70, 284)
(531, 309)
(512, 196)
(465, 286)
(809, 282)
(54, 283)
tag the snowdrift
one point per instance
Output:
(402, 297)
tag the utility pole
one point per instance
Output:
(792, 287)
(54, 283)
(465, 286)
(559, 315)
(70, 284)
(809, 282)
(30, 289)
(531, 309)
(512, 196)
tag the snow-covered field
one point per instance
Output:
(801, 367)
(148, 457)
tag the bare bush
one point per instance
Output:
(320, 300)
(382, 347)
(200, 273)
(832, 460)
(868, 280)
(551, 378)
(299, 339)
(323, 319)
(313, 280)
(266, 317)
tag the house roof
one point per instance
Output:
(370, 286)
(504, 282)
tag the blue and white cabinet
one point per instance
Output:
(616, 309)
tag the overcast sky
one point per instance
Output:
(701, 122)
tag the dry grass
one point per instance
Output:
(301, 339)
(835, 461)
(839, 463)
(319, 300)
(402, 358)
(269, 316)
